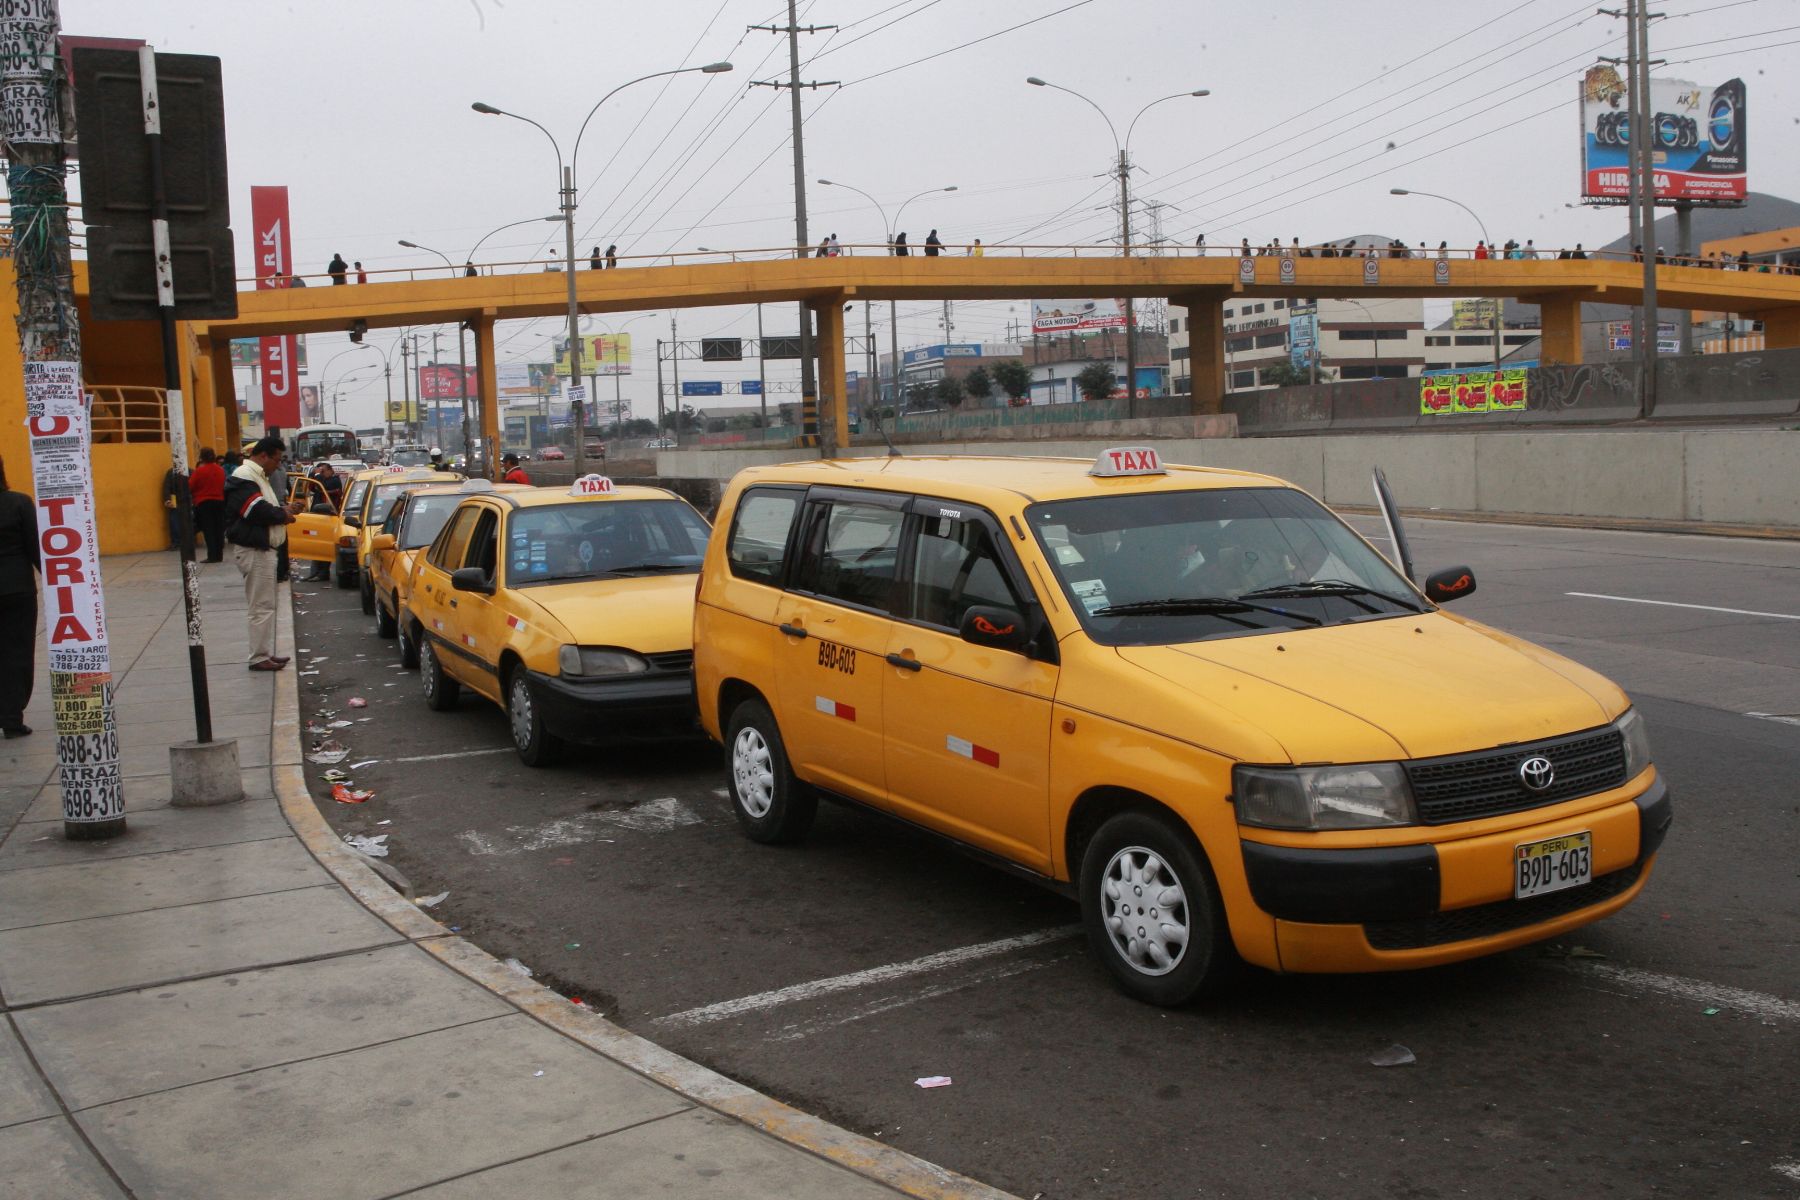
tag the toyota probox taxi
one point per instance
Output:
(414, 520)
(1193, 697)
(571, 609)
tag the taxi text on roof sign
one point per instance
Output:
(1127, 460)
(592, 485)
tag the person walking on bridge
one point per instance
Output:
(338, 269)
(612, 256)
(900, 250)
(932, 245)
(594, 259)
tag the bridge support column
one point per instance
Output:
(834, 409)
(1781, 327)
(1206, 349)
(1559, 318)
(488, 390)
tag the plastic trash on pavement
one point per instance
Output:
(357, 702)
(932, 1081)
(375, 846)
(1394, 1056)
(432, 901)
(343, 795)
(513, 964)
(328, 752)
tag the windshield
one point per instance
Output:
(411, 458)
(311, 445)
(604, 539)
(425, 516)
(1163, 567)
(382, 502)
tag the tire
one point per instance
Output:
(385, 625)
(409, 645)
(346, 575)
(772, 805)
(537, 746)
(441, 691)
(1185, 953)
(368, 595)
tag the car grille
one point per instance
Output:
(1464, 787)
(1502, 916)
(673, 661)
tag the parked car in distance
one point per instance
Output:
(551, 454)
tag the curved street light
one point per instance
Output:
(1499, 301)
(1124, 152)
(569, 201)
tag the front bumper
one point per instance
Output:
(1407, 906)
(595, 711)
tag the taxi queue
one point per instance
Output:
(1194, 700)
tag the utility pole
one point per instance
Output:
(1642, 201)
(659, 383)
(809, 389)
(437, 410)
(405, 390)
(1130, 304)
(762, 373)
(56, 420)
(462, 385)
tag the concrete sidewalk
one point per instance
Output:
(227, 1002)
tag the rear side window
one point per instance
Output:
(759, 533)
(447, 552)
(852, 553)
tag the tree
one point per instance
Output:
(920, 395)
(1014, 378)
(1283, 373)
(979, 384)
(949, 391)
(1096, 381)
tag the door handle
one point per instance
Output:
(905, 663)
(793, 630)
(452, 604)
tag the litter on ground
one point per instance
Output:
(432, 901)
(1394, 1056)
(513, 964)
(328, 752)
(357, 701)
(932, 1081)
(373, 845)
(343, 795)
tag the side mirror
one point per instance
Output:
(1000, 628)
(352, 520)
(380, 542)
(471, 579)
(1452, 583)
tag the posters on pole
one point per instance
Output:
(1698, 146)
(601, 354)
(1066, 316)
(1668, 337)
(28, 108)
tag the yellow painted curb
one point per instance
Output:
(873, 1160)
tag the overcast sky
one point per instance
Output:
(1318, 107)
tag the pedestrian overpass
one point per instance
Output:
(1200, 283)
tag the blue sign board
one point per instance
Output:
(702, 387)
(751, 387)
(954, 350)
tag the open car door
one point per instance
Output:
(313, 535)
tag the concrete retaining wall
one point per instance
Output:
(1719, 476)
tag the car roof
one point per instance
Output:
(456, 489)
(414, 476)
(994, 479)
(539, 497)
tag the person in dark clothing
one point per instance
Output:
(338, 269)
(257, 529)
(206, 483)
(932, 245)
(612, 257)
(900, 250)
(1578, 252)
(18, 606)
(514, 472)
(172, 487)
(326, 498)
(594, 263)
(469, 271)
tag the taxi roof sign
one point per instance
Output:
(592, 485)
(475, 484)
(1127, 460)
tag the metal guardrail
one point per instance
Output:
(129, 414)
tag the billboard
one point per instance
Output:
(1073, 316)
(1668, 338)
(442, 382)
(514, 380)
(601, 354)
(1473, 314)
(1697, 151)
(1303, 333)
(274, 267)
(403, 411)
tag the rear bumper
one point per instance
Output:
(598, 711)
(1408, 906)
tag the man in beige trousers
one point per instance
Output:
(256, 527)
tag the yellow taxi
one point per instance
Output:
(313, 537)
(572, 609)
(363, 515)
(413, 521)
(1194, 699)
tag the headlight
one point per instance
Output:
(1637, 743)
(597, 661)
(1348, 797)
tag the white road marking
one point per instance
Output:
(1790, 1168)
(1697, 991)
(856, 979)
(1783, 718)
(793, 1033)
(1741, 612)
(454, 754)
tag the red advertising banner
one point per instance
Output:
(441, 383)
(274, 269)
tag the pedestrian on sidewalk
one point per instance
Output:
(172, 487)
(514, 472)
(18, 606)
(362, 276)
(338, 269)
(206, 483)
(932, 245)
(258, 529)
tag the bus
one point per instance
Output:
(311, 444)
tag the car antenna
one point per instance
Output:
(874, 415)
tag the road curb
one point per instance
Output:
(873, 1160)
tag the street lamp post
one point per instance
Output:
(1374, 333)
(326, 369)
(1499, 301)
(1124, 153)
(568, 205)
(893, 306)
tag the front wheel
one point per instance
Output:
(537, 746)
(1152, 910)
(441, 691)
(771, 804)
(410, 634)
(385, 625)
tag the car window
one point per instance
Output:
(759, 533)
(482, 544)
(954, 567)
(447, 552)
(425, 518)
(603, 539)
(354, 498)
(852, 553)
(383, 501)
(396, 515)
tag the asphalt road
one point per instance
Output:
(834, 974)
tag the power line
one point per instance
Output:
(977, 41)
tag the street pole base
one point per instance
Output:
(93, 831)
(204, 774)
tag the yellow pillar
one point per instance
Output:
(834, 411)
(1206, 348)
(1781, 327)
(489, 388)
(1559, 318)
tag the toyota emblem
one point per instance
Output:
(1537, 773)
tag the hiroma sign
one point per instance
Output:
(1698, 152)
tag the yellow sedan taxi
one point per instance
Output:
(571, 608)
(364, 517)
(1193, 699)
(412, 523)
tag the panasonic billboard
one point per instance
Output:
(1697, 151)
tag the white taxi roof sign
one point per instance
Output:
(592, 485)
(1127, 460)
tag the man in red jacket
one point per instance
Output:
(206, 486)
(514, 472)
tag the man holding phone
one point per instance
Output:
(257, 529)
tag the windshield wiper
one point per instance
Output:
(653, 566)
(1222, 606)
(1335, 587)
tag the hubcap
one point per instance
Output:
(520, 711)
(427, 668)
(1145, 910)
(752, 771)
